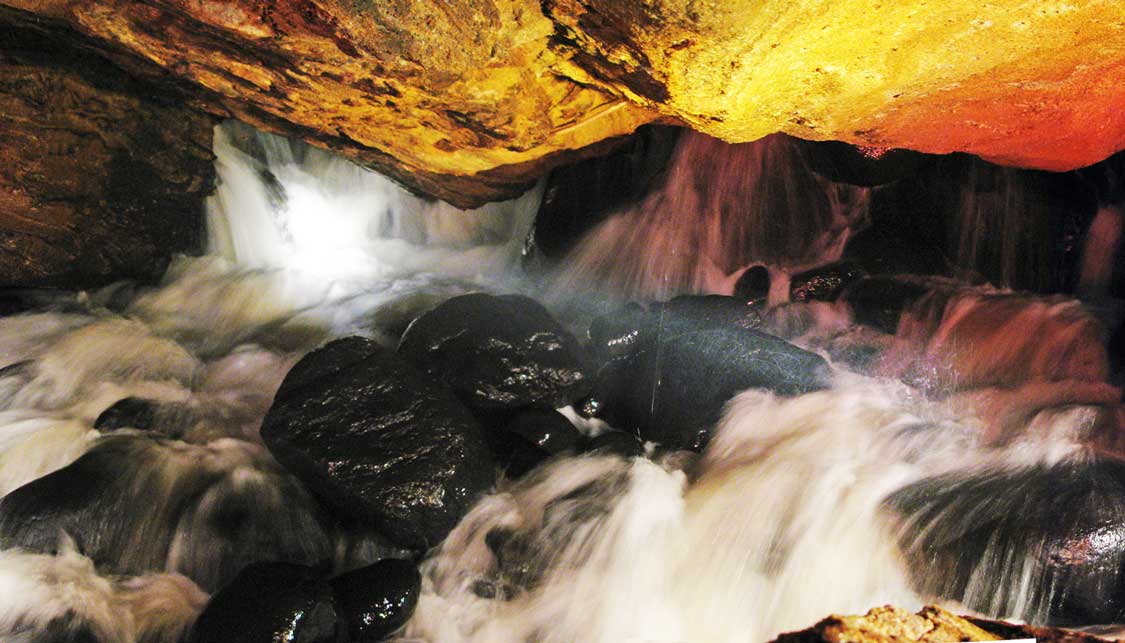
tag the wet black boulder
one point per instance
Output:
(824, 283)
(1041, 543)
(532, 436)
(689, 357)
(498, 353)
(379, 441)
(378, 599)
(271, 602)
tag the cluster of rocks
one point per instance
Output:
(405, 440)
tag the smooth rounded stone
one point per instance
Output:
(970, 537)
(272, 602)
(128, 413)
(378, 599)
(379, 441)
(618, 443)
(880, 301)
(498, 353)
(707, 310)
(691, 356)
(824, 283)
(616, 334)
(532, 436)
(753, 284)
(547, 429)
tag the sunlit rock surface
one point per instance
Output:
(469, 100)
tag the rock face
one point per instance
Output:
(471, 100)
(886, 76)
(498, 353)
(102, 176)
(930, 625)
(379, 441)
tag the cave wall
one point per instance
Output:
(102, 176)
(471, 100)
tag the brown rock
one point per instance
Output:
(930, 625)
(471, 100)
(102, 177)
(891, 625)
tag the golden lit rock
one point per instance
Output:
(1035, 84)
(469, 100)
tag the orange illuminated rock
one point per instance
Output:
(470, 100)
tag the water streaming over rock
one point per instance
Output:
(949, 410)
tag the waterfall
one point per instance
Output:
(894, 485)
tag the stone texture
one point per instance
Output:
(498, 353)
(378, 599)
(1029, 84)
(456, 99)
(930, 625)
(470, 100)
(378, 441)
(102, 176)
(669, 370)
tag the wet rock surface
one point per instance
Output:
(532, 436)
(498, 353)
(1066, 524)
(378, 599)
(685, 359)
(379, 441)
(824, 283)
(271, 602)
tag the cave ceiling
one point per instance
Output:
(470, 100)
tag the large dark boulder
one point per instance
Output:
(685, 359)
(498, 353)
(531, 437)
(272, 602)
(379, 441)
(378, 599)
(1041, 543)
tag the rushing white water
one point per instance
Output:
(794, 511)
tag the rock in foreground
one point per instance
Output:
(271, 602)
(378, 441)
(930, 625)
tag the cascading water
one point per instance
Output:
(902, 482)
